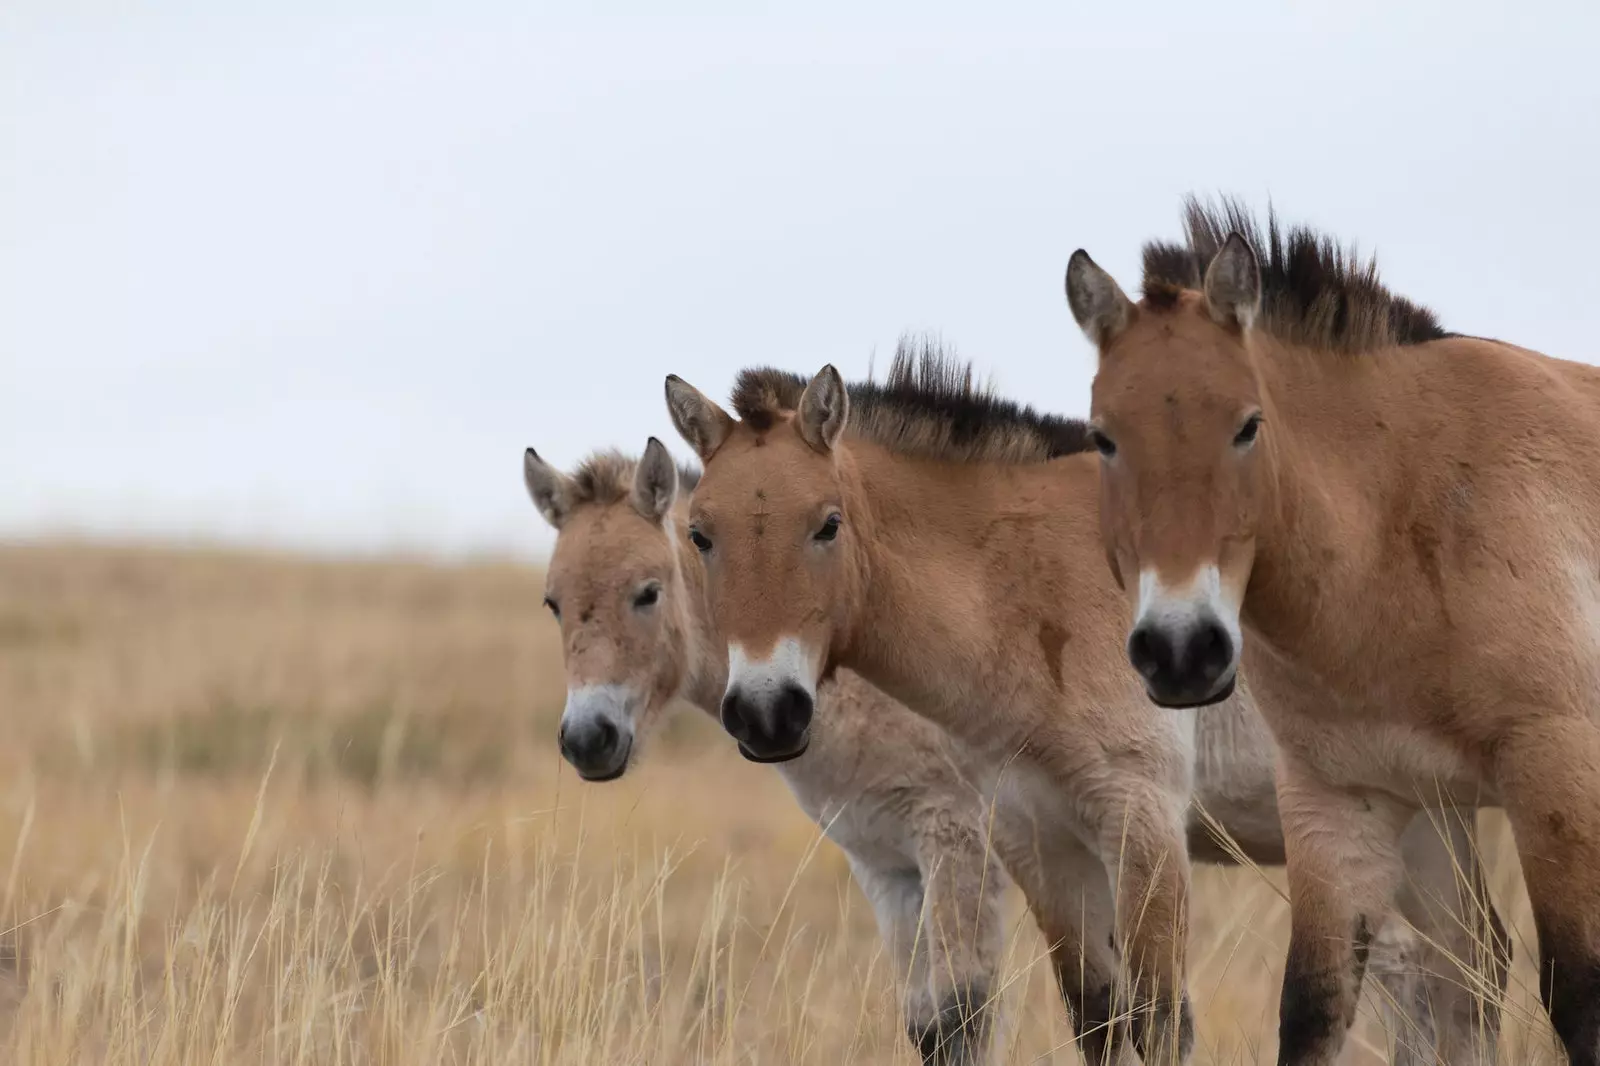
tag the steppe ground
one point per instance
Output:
(259, 809)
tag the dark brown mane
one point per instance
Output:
(1314, 291)
(929, 406)
(607, 477)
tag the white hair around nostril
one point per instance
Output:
(1180, 609)
(591, 704)
(762, 681)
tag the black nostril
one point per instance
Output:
(1150, 652)
(1211, 650)
(607, 738)
(733, 720)
(794, 709)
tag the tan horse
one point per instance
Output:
(943, 542)
(1401, 528)
(888, 787)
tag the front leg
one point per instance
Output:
(1344, 867)
(1146, 853)
(1069, 893)
(896, 895)
(963, 927)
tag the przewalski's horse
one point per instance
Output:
(1400, 528)
(944, 543)
(885, 785)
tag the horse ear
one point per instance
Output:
(550, 488)
(1097, 301)
(1233, 284)
(824, 409)
(655, 482)
(703, 425)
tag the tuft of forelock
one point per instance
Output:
(1314, 291)
(606, 477)
(929, 405)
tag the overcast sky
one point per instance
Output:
(316, 273)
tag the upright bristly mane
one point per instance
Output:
(929, 406)
(607, 477)
(1314, 291)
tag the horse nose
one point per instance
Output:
(589, 743)
(769, 731)
(1182, 666)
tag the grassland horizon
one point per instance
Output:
(266, 808)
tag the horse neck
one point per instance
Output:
(915, 571)
(705, 656)
(1331, 454)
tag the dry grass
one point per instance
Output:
(256, 809)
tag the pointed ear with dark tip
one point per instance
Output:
(655, 482)
(1097, 301)
(824, 409)
(550, 488)
(702, 423)
(1233, 284)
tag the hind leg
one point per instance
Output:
(963, 926)
(1443, 967)
(1548, 771)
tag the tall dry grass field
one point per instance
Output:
(267, 810)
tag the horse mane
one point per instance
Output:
(929, 406)
(1314, 291)
(606, 477)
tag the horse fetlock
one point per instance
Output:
(1316, 1009)
(1094, 1020)
(958, 1032)
(1163, 1030)
(1569, 983)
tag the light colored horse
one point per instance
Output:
(888, 787)
(1400, 528)
(944, 543)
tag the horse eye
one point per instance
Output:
(647, 596)
(555, 608)
(1102, 443)
(698, 539)
(830, 528)
(1248, 432)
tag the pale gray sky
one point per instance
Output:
(315, 273)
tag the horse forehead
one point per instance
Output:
(762, 471)
(603, 545)
(1165, 343)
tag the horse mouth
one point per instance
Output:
(1193, 705)
(767, 760)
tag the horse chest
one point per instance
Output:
(1363, 736)
(1399, 759)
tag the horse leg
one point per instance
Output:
(1344, 866)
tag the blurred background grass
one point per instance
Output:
(272, 809)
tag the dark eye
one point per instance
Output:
(1102, 443)
(1248, 432)
(830, 528)
(555, 608)
(699, 540)
(647, 596)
